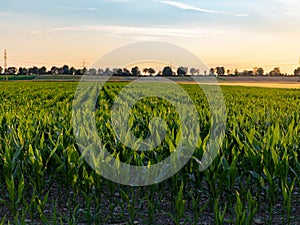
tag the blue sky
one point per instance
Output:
(235, 33)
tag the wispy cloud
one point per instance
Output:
(138, 32)
(79, 8)
(289, 1)
(116, 0)
(32, 31)
(4, 14)
(184, 6)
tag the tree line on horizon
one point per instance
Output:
(135, 71)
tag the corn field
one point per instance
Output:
(44, 178)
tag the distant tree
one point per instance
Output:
(297, 72)
(42, 70)
(84, 70)
(193, 71)
(151, 71)
(205, 72)
(255, 71)
(236, 72)
(12, 70)
(145, 71)
(228, 72)
(22, 71)
(260, 71)
(247, 73)
(1, 70)
(78, 72)
(92, 71)
(250, 73)
(107, 72)
(135, 71)
(126, 72)
(117, 72)
(65, 70)
(167, 71)
(72, 71)
(100, 72)
(181, 71)
(33, 70)
(220, 71)
(212, 71)
(54, 70)
(275, 72)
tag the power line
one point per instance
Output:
(5, 60)
(5, 64)
(83, 63)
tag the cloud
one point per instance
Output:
(289, 1)
(32, 31)
(181, 5)
(138, 32)
(116, 0)
(184, 6)
(79, 8)
(5, 14)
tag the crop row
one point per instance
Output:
(44, 177)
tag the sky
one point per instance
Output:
(238, 34)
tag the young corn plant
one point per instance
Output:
(219, 215)
(287, 199)
(245, 214)
(179, 206)
(35, 161)
(15, 194)
(197, 209)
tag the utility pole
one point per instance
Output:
(297, 69)
(83, 64)
(5, 64)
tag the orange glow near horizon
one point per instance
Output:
(236, 51)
